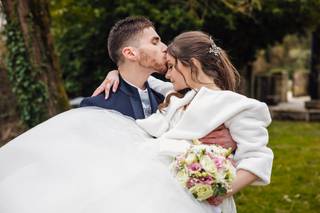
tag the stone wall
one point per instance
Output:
(271, 88)
(300, 83)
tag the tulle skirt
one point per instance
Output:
(89, 160)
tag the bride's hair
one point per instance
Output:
(214, 60)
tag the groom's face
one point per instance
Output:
(152, 52)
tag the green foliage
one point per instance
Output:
(31, 93)
(243, 34)
(291, 55)
(296, 172)
(242, 27)
(81, 28)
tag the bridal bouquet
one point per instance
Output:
(205, 170)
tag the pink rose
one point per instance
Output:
(207, 180)
(218, 161)
(191, 182)
(194, 167)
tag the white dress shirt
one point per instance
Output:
(145, 101)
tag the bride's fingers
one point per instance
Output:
(107, 89)
(115, 85)
(98, 90)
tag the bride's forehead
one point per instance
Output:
(170, 58)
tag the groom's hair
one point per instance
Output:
(123, 32)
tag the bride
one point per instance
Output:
(97, 160)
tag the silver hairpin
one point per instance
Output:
(214, 48)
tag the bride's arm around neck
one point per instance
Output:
(160, 86)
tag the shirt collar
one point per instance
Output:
(139, 90)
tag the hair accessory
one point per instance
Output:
(214, 48)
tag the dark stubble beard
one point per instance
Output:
(151, 63)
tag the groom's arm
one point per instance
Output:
(220, 136)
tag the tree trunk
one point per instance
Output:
(314, 80)
(11, 126)
(314, 76)
(33, 67)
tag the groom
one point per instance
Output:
(136, 48)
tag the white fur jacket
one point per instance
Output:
(247, 120)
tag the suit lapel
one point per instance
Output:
(137, 107)
(134, 99)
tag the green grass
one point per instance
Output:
(295, 183)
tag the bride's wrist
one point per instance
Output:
(230, 194)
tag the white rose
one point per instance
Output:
(208, 165)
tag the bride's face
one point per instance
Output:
(175, 73)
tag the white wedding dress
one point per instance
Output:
(92, 160)
(88, 160)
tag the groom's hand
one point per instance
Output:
(112, 80)
(220, 136)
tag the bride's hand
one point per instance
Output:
(243, 179)
(112, 79)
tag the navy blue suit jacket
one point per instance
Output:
(125, 100)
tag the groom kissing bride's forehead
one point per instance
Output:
(137, 49)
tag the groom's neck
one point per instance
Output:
(135, 74)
